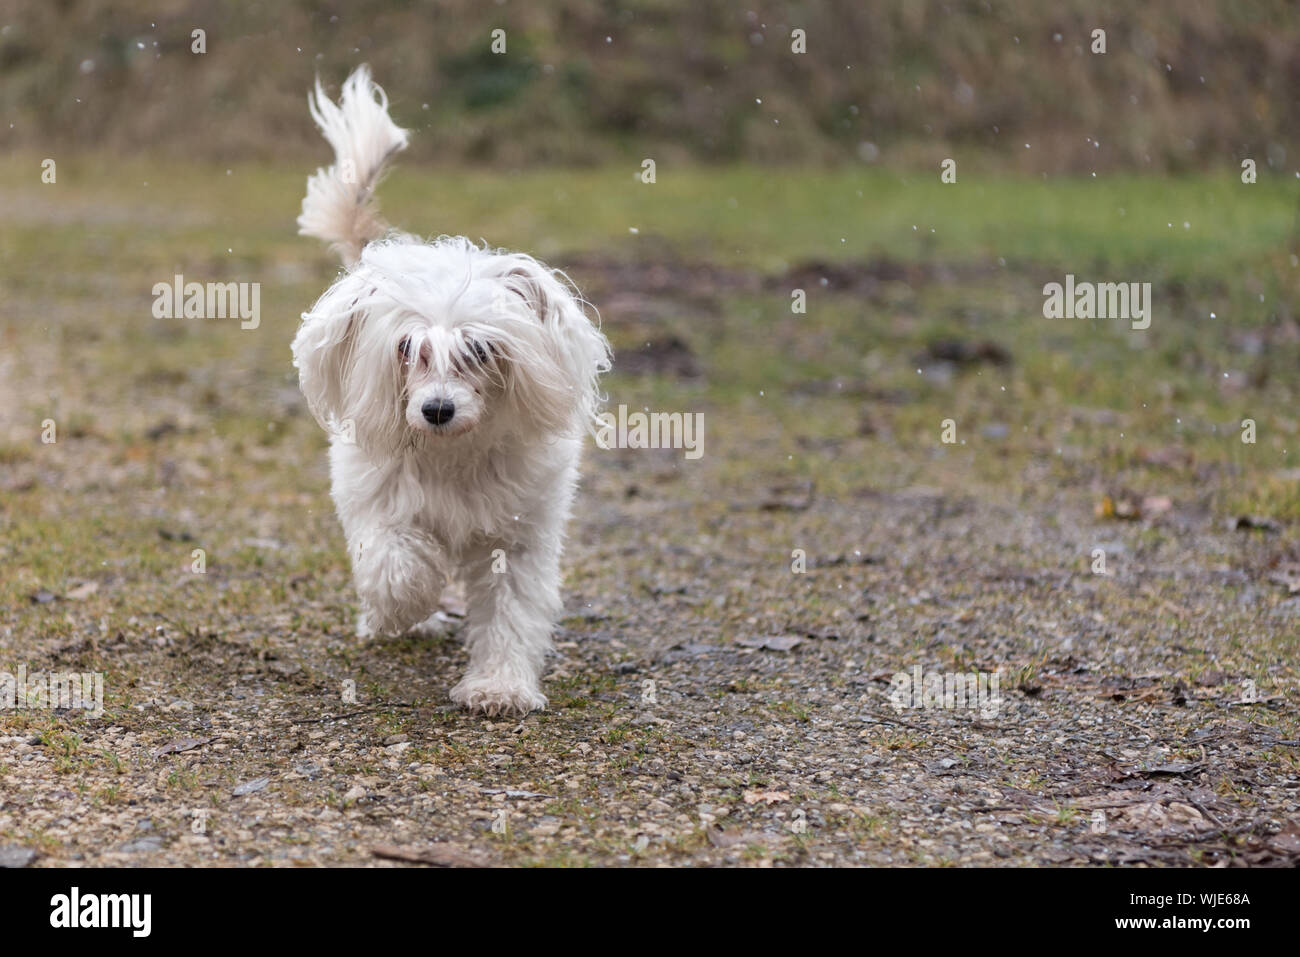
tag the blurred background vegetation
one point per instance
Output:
(593, 81)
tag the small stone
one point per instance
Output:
(11, 855)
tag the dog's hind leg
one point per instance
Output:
(444, 621)
(514, 599)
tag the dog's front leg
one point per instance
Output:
(514, 599)
(398, 579)
(397, 568)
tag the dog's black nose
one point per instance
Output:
(439, 411)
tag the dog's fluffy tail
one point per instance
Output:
(339, 206)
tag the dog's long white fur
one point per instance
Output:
(486, 494)
(339, 207)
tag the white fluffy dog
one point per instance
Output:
(456, 383)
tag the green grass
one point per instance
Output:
(224, 221)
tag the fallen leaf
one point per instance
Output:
(771, 642)
(181, 744)
(439, 855)
(82, 592)
(767, 797)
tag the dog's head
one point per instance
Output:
(420, 342)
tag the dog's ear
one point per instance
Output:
(577, 346)
(323, 352)
(349, 367)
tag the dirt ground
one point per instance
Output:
(671, 740)
(721, 688)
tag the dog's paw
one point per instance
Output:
(435, 626)
(495, 695)
(371, 624)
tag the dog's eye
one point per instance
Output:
(404, 347)
(478, 350)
